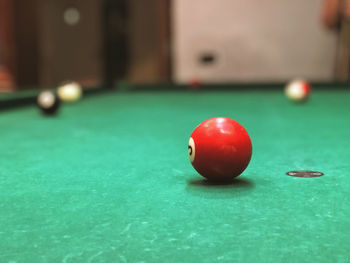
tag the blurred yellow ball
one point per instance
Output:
(70, 92)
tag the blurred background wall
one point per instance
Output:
(46, 42)
(251, 40)
(149, 41)
(70, 41)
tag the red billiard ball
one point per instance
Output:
(195, 84)
(220, 149)
(298, 90)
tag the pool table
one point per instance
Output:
(109, 179)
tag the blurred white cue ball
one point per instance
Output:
(70, 92)
(298, 90)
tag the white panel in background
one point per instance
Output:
(251, 40)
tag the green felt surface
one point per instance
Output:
(109, 180)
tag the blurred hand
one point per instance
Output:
(330, 14)
(333, 11)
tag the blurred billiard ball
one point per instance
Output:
(195, 84)
(298, 90)
(220, 149)
(48, 102)
(70, 92)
